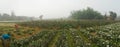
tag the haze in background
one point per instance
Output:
(55, 8)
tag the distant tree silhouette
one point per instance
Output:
(13, 17)
(41, 16)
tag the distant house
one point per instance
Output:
(107, 17)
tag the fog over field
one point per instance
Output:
(59, 23)
(56, 8)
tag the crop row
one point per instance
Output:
(63, 24)
(27, 41)
(103, 36)
(66, 38)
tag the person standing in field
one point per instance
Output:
(5, 40)
(16, 27)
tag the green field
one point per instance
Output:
(64, 34)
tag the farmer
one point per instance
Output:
(5, 40)
(16, 27)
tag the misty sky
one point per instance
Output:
(56, 8)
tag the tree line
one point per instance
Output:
(91, 14)
(13, 17)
